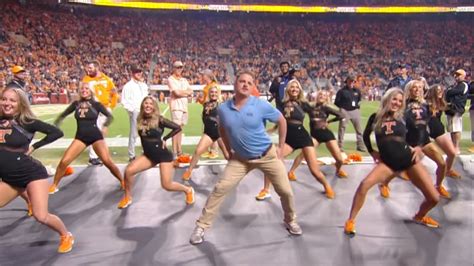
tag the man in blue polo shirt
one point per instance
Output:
(241, 126)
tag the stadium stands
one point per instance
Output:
(53, 42)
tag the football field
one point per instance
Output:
(120, 129)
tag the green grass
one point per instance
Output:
(120, 128)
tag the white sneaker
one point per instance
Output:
(197, 236)
(294, 228)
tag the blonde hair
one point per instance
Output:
(435, 103)
(81, 84)
(144, 122)
(384, 109)
(25, 114)
(219, 96)
(300, 97)
(409, 86)
(327, 96)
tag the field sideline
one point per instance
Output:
(120, 125)
(120, 129)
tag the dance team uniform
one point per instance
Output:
(209, 118)
(435, 125)
(419, 114)
(297, 136)
(391, 141)
(153, 144)
(318, 118)
(86, 113)
(16, 168)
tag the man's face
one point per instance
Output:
(403, 71)
(91, 70)
(178, 70)
(21, 75)
(243, 85)
(284, 68)
(138, 76)
(350, 83)
(459, 77)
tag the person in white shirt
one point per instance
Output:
(179, 92)
(133, 94)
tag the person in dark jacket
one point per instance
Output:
(277, 88)
(401, 79)
(456, 97)
(348, 100)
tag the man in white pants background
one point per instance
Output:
(133, 93)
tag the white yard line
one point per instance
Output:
(166, 110)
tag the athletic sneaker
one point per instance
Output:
(186, 175)
(294, 228)
(95, 162)
(124, 202)
(384, 191)
(443, 192)
(197, 236)
(175, 164)
(263, 195)
(342, 173)
(53, 189)
(329, 192)
(349, 227)
(190, 197)
(30, 210)
(213, 155)
(69, 171)
(453, 174)
(66, 243)
(404, 176)
(291, 176)
(426, 220)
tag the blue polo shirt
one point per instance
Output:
(245, 127)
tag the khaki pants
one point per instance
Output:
(354, 117)
(235, 171)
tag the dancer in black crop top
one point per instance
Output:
(211, 131)
(319, 114)
(418, 111)
(393, 155)
(437, 105)
(151, 126)
(19, 170)
(297, 137)
(86, 110)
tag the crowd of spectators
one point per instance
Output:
(327, 2)
(58, 40)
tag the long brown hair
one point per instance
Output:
(145, 122)
(25, 114)
(435, 103)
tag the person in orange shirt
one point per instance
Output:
(105, 93)
(254, 92)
